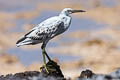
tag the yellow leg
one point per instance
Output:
(44, 60)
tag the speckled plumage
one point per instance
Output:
(46, 30)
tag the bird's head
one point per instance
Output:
(68, 11)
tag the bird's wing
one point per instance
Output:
(46, 29)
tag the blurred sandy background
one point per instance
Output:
(92, 41)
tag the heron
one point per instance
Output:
(47, 30)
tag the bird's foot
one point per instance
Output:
(45, 66)
(52, 69)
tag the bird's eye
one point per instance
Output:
(63, 17)
(69, 10)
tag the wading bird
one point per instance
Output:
(47, 30)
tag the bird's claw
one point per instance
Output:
(47, 70)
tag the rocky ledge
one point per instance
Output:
(55, 73)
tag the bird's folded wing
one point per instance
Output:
(42, 32)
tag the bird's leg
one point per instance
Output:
(47, 55)
(44, 60)
(44, 51)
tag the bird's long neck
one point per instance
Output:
(66, 19)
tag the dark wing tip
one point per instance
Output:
(20, 40)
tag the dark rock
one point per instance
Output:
(87, 74)
(108, 77)
(54, 74)
(53, 68)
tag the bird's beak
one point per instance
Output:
(75, 11)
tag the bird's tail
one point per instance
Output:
(23, 41)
